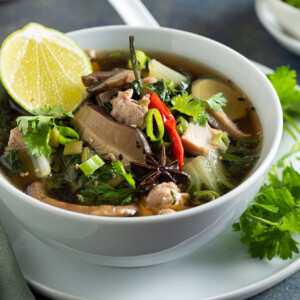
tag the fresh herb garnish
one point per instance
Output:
(196, 108)
(267, 224)
(12, 161)
(103, 193)
(216, 102)
(174, 198)
(119, 169)
(36, 129)
(191, 106)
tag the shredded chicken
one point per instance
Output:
(128, 111)
(199, 140)
(166, 195)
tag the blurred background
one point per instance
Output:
(231, 22)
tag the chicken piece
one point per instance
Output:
(16, 140)
(120, 79)
(221, 121)
(166, 195)
(199, 140)
(37, 190)
(128, 111)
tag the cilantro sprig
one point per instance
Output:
(36, 129)
(268, 223)
(119, 169)
(197, 108)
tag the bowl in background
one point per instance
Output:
(151, 240)
(287, 15)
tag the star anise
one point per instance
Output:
(155, 171)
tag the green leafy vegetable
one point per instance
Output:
(103, 193)
(191, 106)
(37, 129)
(119, 169)
(216, 102)
(12, 161)
(267, 224)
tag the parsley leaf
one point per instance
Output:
(119, 169)
(191, 106)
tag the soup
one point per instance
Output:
(158, 134)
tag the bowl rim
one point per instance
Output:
(262, 166)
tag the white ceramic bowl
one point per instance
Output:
(288, 16)
(156, 239)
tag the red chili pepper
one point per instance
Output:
(170, 125)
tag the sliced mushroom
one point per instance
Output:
(119, 79)
(108, 137)
(106, 96)
(236, 107)
(219, 120)
(38, 191)
(98, 77)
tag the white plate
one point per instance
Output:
(221, 270)
(270, 23)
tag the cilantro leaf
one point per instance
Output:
(37, 142)
(119, 169)
(267, 224)
(191, 106)
(216, 102)
(55, 111)
(284, 82)
(36, 129)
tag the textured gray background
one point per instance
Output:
(231, 22)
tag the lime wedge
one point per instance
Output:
(41, 66)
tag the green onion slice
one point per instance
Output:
(91, 165)
(149, 125)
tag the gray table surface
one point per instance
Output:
(231, 22)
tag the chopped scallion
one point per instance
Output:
(149, 125)
(91, 165)
(73, 148)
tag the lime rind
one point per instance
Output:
(37, 32)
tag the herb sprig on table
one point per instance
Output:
(268, 223)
